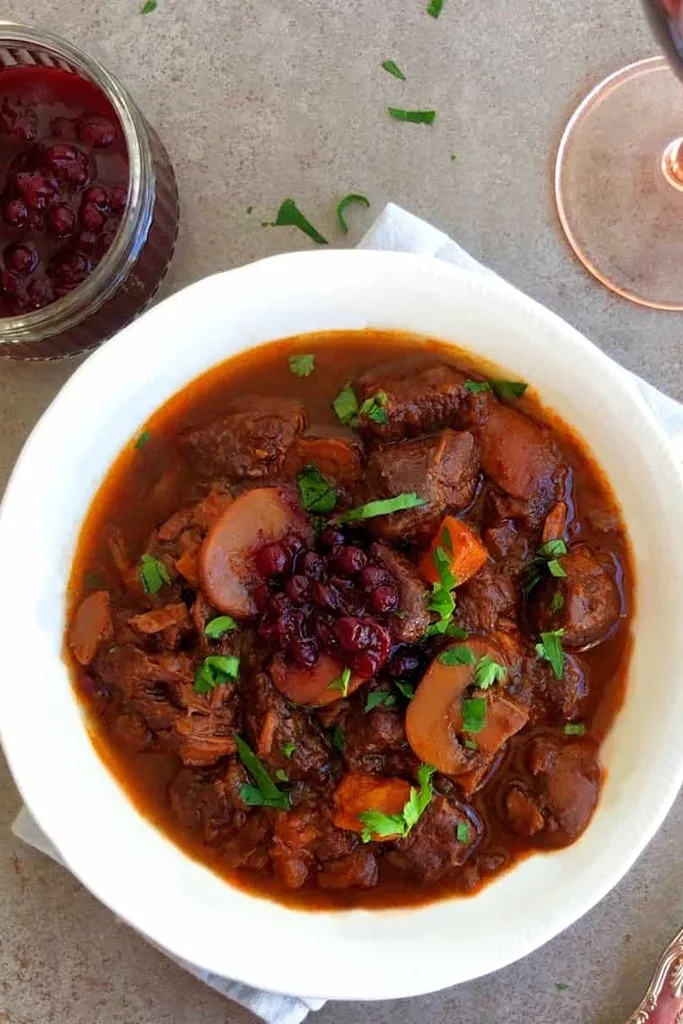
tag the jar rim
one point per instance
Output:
(69, 310)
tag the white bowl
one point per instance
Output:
(119, 855)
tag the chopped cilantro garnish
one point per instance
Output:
(264, 793)
(462, 832)
(374, 409)
(379, 697)
(399, 825)
(487, 672)
(574, 729)
(407, 689)
(342, 682)
(557, 603)
(392, 67)
(352, 197)
(216, 670)
(289, 215)
(501, 388)
(282, 775)
(414, 116)
(346, 406)
(470, 744)
(302, 365)
(473, 714)
(550, 649)
(383, 507)
(288, 750)
(153, 574)
(457, 656)
(317, 494)
(545, 557)
(442, 601)
(218, 626)
(142, 439)
(338, 738)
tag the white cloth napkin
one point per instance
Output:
(397, 230)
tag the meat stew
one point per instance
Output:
(350, 619)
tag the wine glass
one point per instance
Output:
(619, 173)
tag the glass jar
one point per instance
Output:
(129, 273)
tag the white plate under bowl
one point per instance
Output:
(135, 869)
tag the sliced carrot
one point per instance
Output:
(311, 686)
(226, 561)
(465, 551)
(358, 793)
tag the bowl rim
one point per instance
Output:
(490, 289)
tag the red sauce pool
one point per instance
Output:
(63, 184)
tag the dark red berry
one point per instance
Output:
(349, 560)
(331, 537)
(324, 596)
(297, 588)
(94, 130)
(63, 128)
(373, 576)
(384, 599)
(405, 663)
(86, 241)
(97, 196)
(118, 197)
(21, 259)
(312, 565)
(36, 189)
(38, 294)
(303, 651)
(91, 218)
(16, 213)
(67, 163)
(272, 559)
(60, 220)
(70, 269)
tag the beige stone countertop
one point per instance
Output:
(258, 100)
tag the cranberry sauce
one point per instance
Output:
(63, 182)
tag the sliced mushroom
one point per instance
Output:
(226, 561)
(311, 686)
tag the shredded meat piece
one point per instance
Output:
(432, 848)
(358, 870)
(160, 618)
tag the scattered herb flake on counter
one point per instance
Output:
(342, 682)
(457, 656)
(264, 793)
(462, 832)
(488, 671)
(346, 406)
(413, 116)
(392, 67)
(352, 197)
(288, 750)
(474, 714)
(550, 649)
(435, 7)
(302, 365)
(216, 670)
(249, 209)
(338, 738)
(290, 216)
(219, 626)
(399, 825)
(574, 729)
(383, 507)
(153, 574)
(317, 494)
(148, 7)
(379, 697)
(561, 986)
(142, 439)
(373, 408)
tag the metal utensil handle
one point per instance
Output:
(663, 1002)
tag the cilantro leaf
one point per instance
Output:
(282, 775)
(574, 729)
(346, 406)
(407, 689)
(487, 672)
(352, 197)
(378, 823)
(142, 439)
(264, 793)
(462, 832)
(557, 603)
(289, 215)
(219, 626)
(379, 697)
(550, 649)
(317, 494)
(457, 656)
(509, 388)
(342, 682)
(474, 714)
(414, 116)
(338, 738)
(442, 600)
(374, 409)
(153, 574)
(545, 557)
(477, 387)
(383, 507)
(216, 670)
(302, 365)
(393, 69)
(288, 750)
